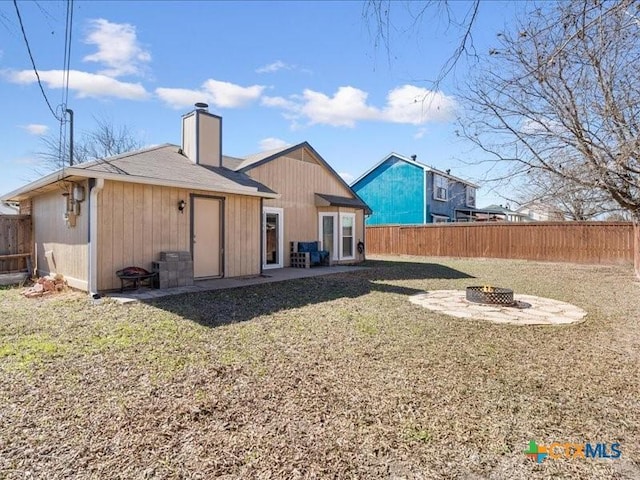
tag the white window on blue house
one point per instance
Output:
(439, 218)
(440, 187)
(471, 196)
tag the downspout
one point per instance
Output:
(262, 237)
(424, 197)
(96, 188)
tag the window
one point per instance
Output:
(471, 196)
(440, 187)
(439, 219)
(337, 234)
(347, 223)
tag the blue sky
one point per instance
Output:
(277, 72)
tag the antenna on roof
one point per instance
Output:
(201, 106)
(413, 157)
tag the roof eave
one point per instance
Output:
(415, 163)
(250, 191)
(14, 195)
(86, 173)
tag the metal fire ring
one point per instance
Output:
(495, 296)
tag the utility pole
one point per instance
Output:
(70, 112)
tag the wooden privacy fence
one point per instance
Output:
(15, 243)
(579, 242)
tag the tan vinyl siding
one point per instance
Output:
(137, 222)
(59, 248)
(242, 229)
(297, 178)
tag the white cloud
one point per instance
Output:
(420, 133)
(279, 102)
(541, 126)
(274, 67)
(347, 177)
(272, 143)
(215, 93)
(280, 65)
(36, 129)
(348, 105)
(407, 104)
(83, 83)
(416, 105)
(118, 48)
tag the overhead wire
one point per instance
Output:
(33, 63)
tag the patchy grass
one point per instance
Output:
(328, 377)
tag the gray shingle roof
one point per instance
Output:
(258, 157)
(337, 201)
(168, 163)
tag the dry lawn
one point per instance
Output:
(328, 377)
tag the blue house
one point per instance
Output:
(401, 190)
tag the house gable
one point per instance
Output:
(395, 192)
(297, 173)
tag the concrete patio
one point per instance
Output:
(268, 276)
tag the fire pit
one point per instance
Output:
(490, 295)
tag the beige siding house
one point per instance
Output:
(314, 204)
(234, 216)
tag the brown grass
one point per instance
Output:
(328, 377)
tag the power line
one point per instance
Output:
(67, 52)
(33, 63)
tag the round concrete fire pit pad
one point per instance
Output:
(525, 310)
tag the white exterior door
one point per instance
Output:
(207, 238)
(272, 237)
(328, 230)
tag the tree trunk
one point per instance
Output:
(636, 244)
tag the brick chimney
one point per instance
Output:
(202, 136)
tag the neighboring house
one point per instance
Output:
(540, 212)
(499, 213)
(235, 216)
(401, 190)
(8, 209)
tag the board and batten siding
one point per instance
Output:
(395, 193)
(137, 222)
(297, 177)
(59, 248)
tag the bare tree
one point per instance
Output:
(105, 140)
(572, 201)
(561, 94)
(378, 15)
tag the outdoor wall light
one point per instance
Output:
(181, 205)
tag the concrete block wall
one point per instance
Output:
(174, 269)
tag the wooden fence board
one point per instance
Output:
(15, 242)
(576, 242)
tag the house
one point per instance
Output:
(234, 216)
(401, 190)
(8, 209)
(501, 213)
(540, 212)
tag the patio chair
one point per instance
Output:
(308, 254)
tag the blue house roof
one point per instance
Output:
(410, 161)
